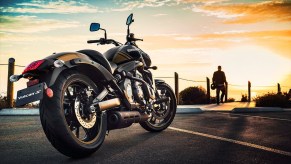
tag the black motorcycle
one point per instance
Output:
(85, 94)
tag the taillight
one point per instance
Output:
(33, 66)
(32, 82)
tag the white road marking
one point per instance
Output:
(271, 118)
(234, 141)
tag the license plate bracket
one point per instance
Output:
(30, 94)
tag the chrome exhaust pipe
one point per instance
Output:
(104, 105)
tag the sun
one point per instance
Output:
(252, 63)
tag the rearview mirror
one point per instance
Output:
(129, 19)
(94, 27)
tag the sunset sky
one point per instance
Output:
(250, 39)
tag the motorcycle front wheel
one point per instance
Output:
(162, 114)
(69, 125)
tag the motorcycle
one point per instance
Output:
(85, 94)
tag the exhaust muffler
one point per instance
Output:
(123, 119)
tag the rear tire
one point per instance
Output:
(163, 114)
(59, 117)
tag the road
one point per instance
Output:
(209, 137)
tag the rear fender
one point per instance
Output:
(93, 70)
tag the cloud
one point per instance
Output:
(277, 10)
(278, 41)
(216, 13)
(187, 56)
(201, 1)
(183, 38)
(28, 38)
(128, 6)
(254, 34)
(32, 24)
(60, 7)
(159, 15)
(165, 34)
(231, 32)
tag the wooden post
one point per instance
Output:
(226, 91)
(249, 91)
(177, 86)
(279, 89)
(11, 64)
(208, 90)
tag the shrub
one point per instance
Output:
(230, 100)
(244, 98)
(3, 102)
(193, 95)
(273, 100)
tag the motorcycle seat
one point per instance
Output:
(99, 58)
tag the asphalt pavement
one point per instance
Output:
(208, 137)
(234, 107)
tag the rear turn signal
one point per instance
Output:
(49, 92)
(14, 78)
(33, 66)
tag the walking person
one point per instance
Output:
(219, 80)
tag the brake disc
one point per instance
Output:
(86, 122)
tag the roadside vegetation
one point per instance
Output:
(4, 103)
(244, 98)
(196, 95)
(193, 95)
(274, 100)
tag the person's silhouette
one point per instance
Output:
(219, 80)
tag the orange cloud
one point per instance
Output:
(202, 1)
(179, 41)
(249, 12)
(255, 34)
(277, 41)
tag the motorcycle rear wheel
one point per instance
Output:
(65, 119)
(163, 114)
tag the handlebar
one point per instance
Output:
(136, 39)
(93, 41)
(129, 39)
(104, 41)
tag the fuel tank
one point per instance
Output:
(125, 53)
